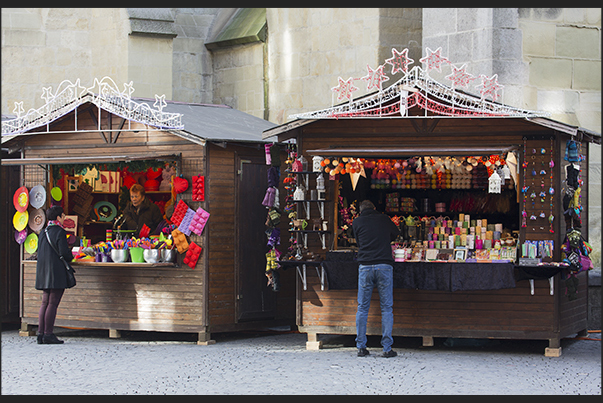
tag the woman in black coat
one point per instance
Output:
(51, 275)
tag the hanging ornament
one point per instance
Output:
(494, 183)
(460, 77)
(434, 59)
(374, 78)
(345, 89)
(490, 86)
(399, 61)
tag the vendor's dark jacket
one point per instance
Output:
(50, 270)
(148, 214)
(374, 232)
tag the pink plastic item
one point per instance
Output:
(199, 220)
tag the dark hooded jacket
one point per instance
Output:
(50, 270)
(148, 214)
(374, 232)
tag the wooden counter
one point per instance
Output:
(123, 296)
(510, 313)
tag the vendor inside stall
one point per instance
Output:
(141, 214)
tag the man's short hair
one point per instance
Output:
(366, 204)
(137, 188)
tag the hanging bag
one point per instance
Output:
(70, 271)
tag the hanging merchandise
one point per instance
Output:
(571, 151)
(21, 199)
(494, 183)
(37, 196)
(551, 191)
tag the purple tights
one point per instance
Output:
(48, 311)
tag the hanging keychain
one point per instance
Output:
(525, 187)
(551, 193)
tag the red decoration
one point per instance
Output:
(144, 232)
(180, 184)
(129, 181)
(199, 188)
(192, 255)
(179, 212)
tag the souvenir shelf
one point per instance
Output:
(306, 203)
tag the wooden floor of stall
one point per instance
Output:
(498, 314)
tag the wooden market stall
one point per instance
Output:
(483, 294)
(225, 289)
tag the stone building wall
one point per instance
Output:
(547, 59)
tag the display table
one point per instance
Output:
(437, 276)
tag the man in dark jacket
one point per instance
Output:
(51, 276)
(140, 211)
(374, 233)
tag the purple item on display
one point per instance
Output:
(186, 221)
(20, 236)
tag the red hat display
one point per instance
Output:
(21, 199)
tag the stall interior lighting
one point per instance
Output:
(398, 152)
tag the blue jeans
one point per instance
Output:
(381, 276)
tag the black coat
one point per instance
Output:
(148, 214)
(374, 232)
(50, 270)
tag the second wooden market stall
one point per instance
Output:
(484, 194)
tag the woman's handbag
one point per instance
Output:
(70, 271)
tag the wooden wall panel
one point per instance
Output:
(422, 312)
(154, 299)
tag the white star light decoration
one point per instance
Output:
(345, 89)
(399, 61)
(489, 86)
(374, 78)
(460, 77)
(160, 102)
(104, 93)
(434, 60)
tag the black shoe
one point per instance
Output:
(40, 338)
(51, 339)
(363, 352)
(389, 354)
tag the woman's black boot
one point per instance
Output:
(40, 338)
(51, 339)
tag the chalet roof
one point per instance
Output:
(193, 121)
(417, 96)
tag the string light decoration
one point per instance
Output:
(104, 93)
(375, 78)
(345, 89)
(417, 88)
(399, 61)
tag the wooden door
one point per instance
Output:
(254, 300)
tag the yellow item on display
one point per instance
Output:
(20, 220)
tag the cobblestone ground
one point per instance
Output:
(277, 363)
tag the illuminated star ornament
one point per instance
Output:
(460, 77)
(345, 89)
(433, 59)
(374, 78)
(489, 86)
(399, 61)
(160, 102)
